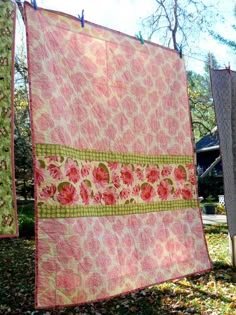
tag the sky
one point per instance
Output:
(126, 16)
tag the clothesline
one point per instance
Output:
(201, 60)
(198, 59)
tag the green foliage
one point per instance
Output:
(26, 218)
(210, 198)
(213, 63)
(26, 226)
(220, 209)
(201, 104)
(22, 137)
(210, 186)
(26, 207)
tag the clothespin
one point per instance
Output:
(181, 51)
(140, 37)
(228, 68)
(34, 3)
(81, 18)
(210, 61)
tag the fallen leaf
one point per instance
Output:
(133, 309)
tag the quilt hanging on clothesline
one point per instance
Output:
(224, 95)
(8, 217)
(115, 182)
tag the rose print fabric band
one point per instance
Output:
(115, 185)
(8, 218)
(108, 187)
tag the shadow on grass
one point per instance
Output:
(216, 228)
(17, 289)
(17, 275)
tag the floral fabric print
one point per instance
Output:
(8, 220)
(119, 113)
(108, 255)
(67, 181)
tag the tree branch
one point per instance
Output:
(174, 31)
(201, 124)
(20, 6)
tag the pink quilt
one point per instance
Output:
(115, 184)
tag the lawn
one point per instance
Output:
(211, 293)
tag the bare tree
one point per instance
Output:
(22, 130)
(177, 23)
(20, 7)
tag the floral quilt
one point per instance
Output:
(115, 184)
(8, 217)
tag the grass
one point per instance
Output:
(26, 217)
(25, 207)
(211, 293)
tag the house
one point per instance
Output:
(209, 166)
(207, 152)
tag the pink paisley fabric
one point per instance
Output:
(115, 185)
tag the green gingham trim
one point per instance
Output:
(112, 210)
(126, 158)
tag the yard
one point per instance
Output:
(210, 293)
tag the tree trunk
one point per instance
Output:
(20, 6)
